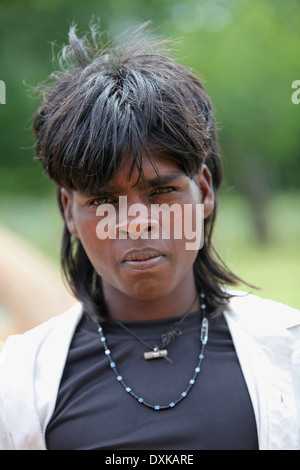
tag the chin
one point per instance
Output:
(147, 290)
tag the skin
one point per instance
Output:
(161, 284)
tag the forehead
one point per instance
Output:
(159, 163)
(151, 169)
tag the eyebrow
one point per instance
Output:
(158, 180)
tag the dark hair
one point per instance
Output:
(108, 101)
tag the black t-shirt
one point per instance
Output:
(93, 410)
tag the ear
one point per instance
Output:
(67, 202)
(207, 192)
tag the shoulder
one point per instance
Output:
(21, 346)
(272, 324)
(253, 309)
(31, 365)
(266, 335)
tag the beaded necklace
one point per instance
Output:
(156, 407)
(166, 339)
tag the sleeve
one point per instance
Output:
(31, 365)
(6, 442)
(19, 426)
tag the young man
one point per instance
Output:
(157, 354)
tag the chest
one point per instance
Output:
(93, 410)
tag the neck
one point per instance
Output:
(174, 303)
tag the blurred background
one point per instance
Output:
(247, 52)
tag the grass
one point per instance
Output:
(273, 266)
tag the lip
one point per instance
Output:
(146, 258)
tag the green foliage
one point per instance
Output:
(249, 65)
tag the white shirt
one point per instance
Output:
(266, 335)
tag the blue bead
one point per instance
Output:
(140, 399)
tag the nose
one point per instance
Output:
(139, 227)
(135, 221)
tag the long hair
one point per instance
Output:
(109, 100)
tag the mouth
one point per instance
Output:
(142, 259)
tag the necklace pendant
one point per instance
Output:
(155, 354)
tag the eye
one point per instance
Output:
(163, 190)
(102, 200)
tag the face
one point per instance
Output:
(140, 267)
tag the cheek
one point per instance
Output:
(96, 249)
(86, 229)
(100, 255)
(187, 227)
(186, 253)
